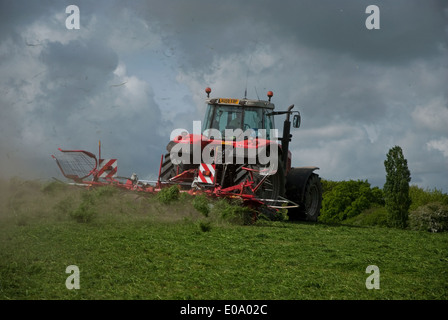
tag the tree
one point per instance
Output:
(347, 199)
(396, 188)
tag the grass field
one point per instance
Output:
(129, 247)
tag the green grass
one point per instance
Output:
(135, 247)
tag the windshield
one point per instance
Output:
(222, 117)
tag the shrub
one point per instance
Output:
(86, 211)
(234, 212)
(105, 191)
(269, 214)
(421, 197)
(201, 203)
(376, 215)
(347, 199)
(328, 185)
(430, 217)
(168, 195)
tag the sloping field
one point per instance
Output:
(127, 246)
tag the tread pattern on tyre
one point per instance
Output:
(168, 169)
(301, 213)
(313, 181)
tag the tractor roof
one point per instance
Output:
(241, 102)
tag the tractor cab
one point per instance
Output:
(254, 118)
(250, 116)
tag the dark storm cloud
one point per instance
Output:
(15, 14)
(359, 91)
(88, 102)
(409, 29)
(78, 59)
(60, 89)
(361, 86)
(349, 64)
(202, 29)
(77, 71)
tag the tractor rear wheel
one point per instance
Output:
(169, 170)
(307, 194)
(312, 201)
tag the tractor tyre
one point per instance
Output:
(308, 195)
(169, 170)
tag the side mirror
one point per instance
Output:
(296, 121)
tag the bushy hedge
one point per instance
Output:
(421, 197)
(168, 195)
(356, 203)
(376, 215)
(431, 217)
(347, 199)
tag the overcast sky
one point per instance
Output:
(136, 70)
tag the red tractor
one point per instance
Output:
(237, 152)
(234, 154)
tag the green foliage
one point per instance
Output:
(396, 188)
(344, 199)
(88, 208)
(201, 203)
(376, 215)
(168, 195)
(328, 185)
(420, 197)
(347, 199)
(280, 215)
(205, 226)
(234, 212)
(146, 259)
(84, 213)
(53, 187)
(65, 206)
(430, 217)
(133, 251)
(104, 191)
(185, 197)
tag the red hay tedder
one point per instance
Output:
(237, 155)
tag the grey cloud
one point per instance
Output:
(61, 93)
(202, 29)
(15, 14)
(409, 29)
(359, 91)
(75, 71)
(78, 59)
